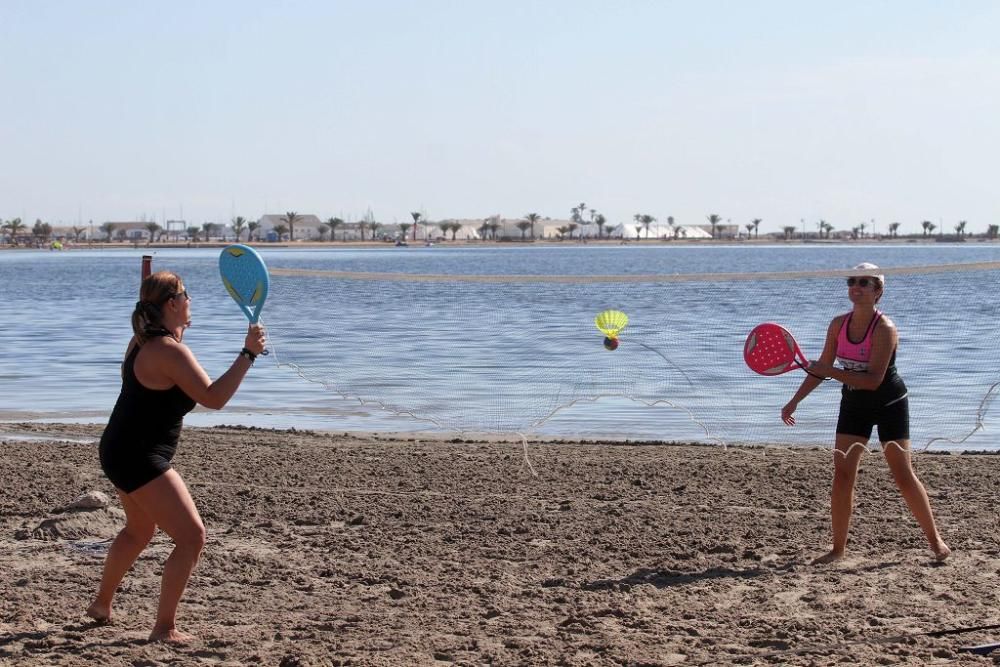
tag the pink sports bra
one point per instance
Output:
(855, 356)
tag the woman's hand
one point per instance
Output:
(786, 413)
(256, 339)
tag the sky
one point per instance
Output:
(859, 111)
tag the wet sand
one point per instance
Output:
(334, 549)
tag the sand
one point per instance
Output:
(335, 549)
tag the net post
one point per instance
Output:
(147, 266)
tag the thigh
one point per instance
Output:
(894, 421)
(168, 503)
(135, 516)
(849, 449)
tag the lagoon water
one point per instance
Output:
(64, 325)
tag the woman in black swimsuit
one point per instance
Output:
(161, 382)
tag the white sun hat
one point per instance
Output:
(868, 270)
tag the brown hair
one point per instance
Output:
(156, 290)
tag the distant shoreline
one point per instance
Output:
(117, 245)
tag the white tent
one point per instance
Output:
(657, 230)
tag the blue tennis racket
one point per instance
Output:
(245, 277)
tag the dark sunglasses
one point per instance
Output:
(184, 294)
(862, 282)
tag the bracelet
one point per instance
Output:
(251, 357)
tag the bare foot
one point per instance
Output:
(100, 613)
(941, 551)
(831, 557)
(172, 635)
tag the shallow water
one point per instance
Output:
(64, 322)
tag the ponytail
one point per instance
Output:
(147, 318)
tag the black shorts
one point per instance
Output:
(887, 407)
(132, 467)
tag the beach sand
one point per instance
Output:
(351, 550)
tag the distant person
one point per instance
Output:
(873, 394)
(161, 382)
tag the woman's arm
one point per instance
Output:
(176, 362)
(811, 380)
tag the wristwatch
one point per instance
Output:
(251, 357)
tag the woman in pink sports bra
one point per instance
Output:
(863, 341)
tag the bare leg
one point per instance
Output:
(167, 501)
(846, 458)
(897, 455)
(129, 543)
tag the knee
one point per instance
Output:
(904, 477)
(844, 476)
(191, 539)
(140, 533)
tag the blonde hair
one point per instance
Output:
(156, 290)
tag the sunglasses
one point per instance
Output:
(863, 282)
(187, 297)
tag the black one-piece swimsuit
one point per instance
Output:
(141, 437)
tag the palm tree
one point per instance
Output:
(861, 228)
(251, 228)
(893, 229)
(14, 227)
(362, 226)
(533, 218)
(524, 226)
(600, 221)
(756, 227)
(960, 228)
(333, 223)
(403, 228)
(290, 218)
(992, 231)
(562, 231)
(192, 233)
(209, 227)
(646, 221)
(928, 227)
(445, 227)
(417, 216)
(827, 228)
(455, 228)
(749, 227)
(322, 229)
(108, 228)
(572, 228)
(789, 231)
(374, 226)
(239, 222)
(76, 233)
(280, 230)
(670, 224)
(714, 219)
(152, 228)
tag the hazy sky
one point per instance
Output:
(846, 111)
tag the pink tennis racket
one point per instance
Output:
(771, 350)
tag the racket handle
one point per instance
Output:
(147, 266)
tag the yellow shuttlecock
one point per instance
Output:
(610, 323)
